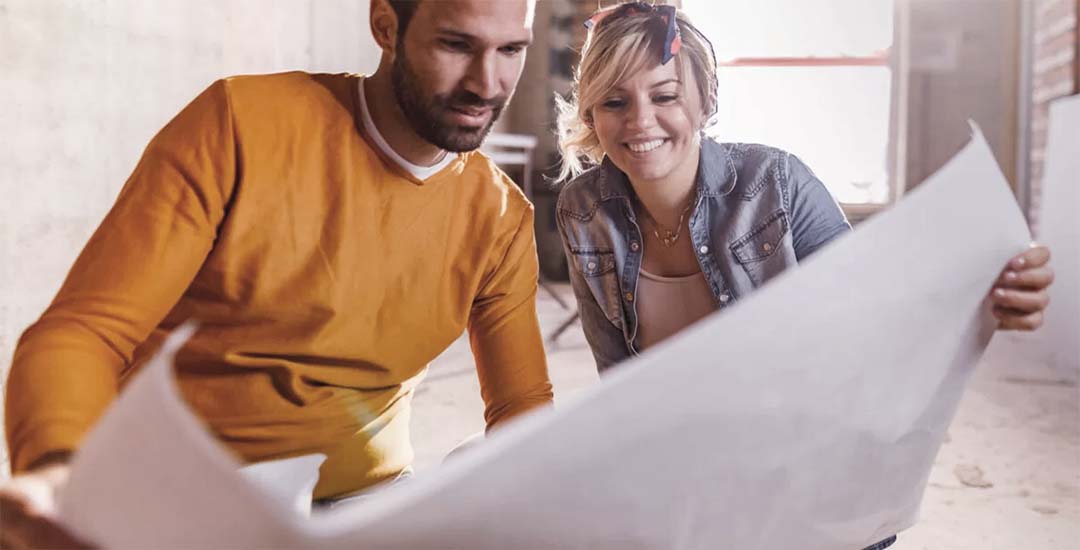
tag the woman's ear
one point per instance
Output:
(384, 25)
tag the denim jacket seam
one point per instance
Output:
(762, 226)
(784, 177)
(594, 205)
(749, 194)
(727, 173)
(586, 250)
(586, 217)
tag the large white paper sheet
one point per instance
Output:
(806, 417)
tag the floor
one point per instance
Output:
(1008, 476)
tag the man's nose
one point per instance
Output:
(483, 78)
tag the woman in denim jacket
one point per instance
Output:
(668, 226)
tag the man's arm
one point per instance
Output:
(505, 333)
(130, 274)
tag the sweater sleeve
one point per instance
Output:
(134, 269)
(505, 334)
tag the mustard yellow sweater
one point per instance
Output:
(323, 276)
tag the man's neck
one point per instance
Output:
(391, 123)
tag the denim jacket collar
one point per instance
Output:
(716, 175)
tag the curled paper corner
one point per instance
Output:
(164, 359)
(976, 131)
(177, 338)
(289, 481)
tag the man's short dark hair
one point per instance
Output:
(405, 9)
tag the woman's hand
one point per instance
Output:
(1019, 296)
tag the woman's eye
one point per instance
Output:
(613, 104)
(665, 99)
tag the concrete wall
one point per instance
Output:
(85, 84)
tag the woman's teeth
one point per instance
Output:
(646, 146)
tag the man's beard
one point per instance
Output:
(426, 115)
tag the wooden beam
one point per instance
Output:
(877, 60)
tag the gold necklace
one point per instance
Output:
(669, 238)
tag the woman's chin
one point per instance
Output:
(646, 173)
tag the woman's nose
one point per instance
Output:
(641, 115)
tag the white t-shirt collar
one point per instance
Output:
(419, 172)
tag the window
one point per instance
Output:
(812, 78)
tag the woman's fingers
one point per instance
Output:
(1035, 256)
(1035, 278)
(1012, 319)
(1023, 301)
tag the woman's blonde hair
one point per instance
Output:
(620, 45)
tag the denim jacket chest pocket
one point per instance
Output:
(766, 249)
(597, 267)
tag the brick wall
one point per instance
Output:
(1055, 73)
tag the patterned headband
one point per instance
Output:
(673, 39)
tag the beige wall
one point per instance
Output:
(964, 65)
(1055, 72)
(83, 87)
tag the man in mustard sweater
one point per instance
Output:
(331, 234)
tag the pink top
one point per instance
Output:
(666, 305)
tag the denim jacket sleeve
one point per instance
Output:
(604, 338)
(816, 218)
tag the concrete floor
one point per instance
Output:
(1008, 476)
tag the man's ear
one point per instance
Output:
(384, 25)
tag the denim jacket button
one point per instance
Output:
(629, 296)
(724, 298)
(592, 266)
(634, 246)
(704, 250)
(766, 247)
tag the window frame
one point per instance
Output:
(896, 59)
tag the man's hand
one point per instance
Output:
(1019, 296)
(28, 510)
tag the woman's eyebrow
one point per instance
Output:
(668, 81)
(622, 89)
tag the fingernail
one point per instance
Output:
(999, 292)
(1010, 275)
(1019, 262)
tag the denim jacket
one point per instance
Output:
(759, 211)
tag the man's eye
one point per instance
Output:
(456, 45)
(511, 50)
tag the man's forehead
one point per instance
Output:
(491, 20)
